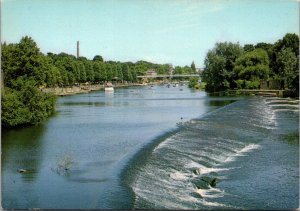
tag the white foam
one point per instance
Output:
(161, 145)
(205, 170)
(178, 176)
(286, 109)
(210, 193)
(213, 204)
(242, 152)
(249, 148)
(287, 105)
(230, 159)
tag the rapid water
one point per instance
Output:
(250, 149)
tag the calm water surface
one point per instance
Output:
(139, 148)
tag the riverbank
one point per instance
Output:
(82, 88)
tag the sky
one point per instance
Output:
(160, 31)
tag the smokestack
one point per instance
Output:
(77, 49)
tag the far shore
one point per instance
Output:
(81, 88)
(85, 88)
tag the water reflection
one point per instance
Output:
(94, 104)
(219, 102)
(21, 149)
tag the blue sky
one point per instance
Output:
(161, 31)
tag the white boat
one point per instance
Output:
(109, 89)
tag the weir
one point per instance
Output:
(221, 161)
(259, 92)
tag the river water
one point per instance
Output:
(152, 147)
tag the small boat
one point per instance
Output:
(109, 89)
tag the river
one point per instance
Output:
(147, 147)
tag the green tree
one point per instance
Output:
(126, 73)
(248, 47)
(193, 83)
(98, 58)
(193, 66)
(97, 74)
(82, 71)
(25, 104)
(22, 59)
(177, 70)
(252, 67)
(288, 41)
(288, 71)
(219, 64)
(90, 74)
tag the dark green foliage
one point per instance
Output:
(98, 58)
(25, 104)
(186, 70)
(193, 67)
(249, 47)
(288, 70)
(24, 69)
(251, 67)
(193, 83)
(219, 64)
(22, 59)
(260, 62)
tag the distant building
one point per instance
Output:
(151, 72)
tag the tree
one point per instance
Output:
(177, 70)
(288, 41)
(22, 59)
(249, 47)
(252, 67)
(126, 73)
(98, 58)
(288, 71)
(90, 74)
(193, 66)
(213, 73)
(97, 73)
(24, 104)
(193, 83)
(219, 64)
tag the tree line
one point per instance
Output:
(25, 69)
(231, 66)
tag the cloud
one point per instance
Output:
(202, 8)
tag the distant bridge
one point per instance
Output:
(170, 76)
